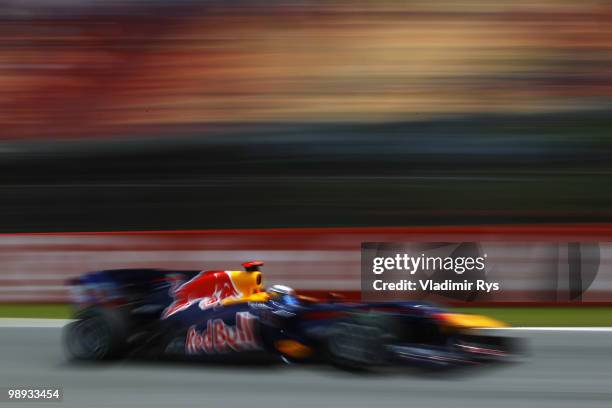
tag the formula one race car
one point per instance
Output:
(224, 315)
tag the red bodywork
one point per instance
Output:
(207, 288)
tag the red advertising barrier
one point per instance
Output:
(35, 267)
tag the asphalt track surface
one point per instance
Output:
(564, 369)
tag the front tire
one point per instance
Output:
(356, 347)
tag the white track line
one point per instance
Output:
(560, 329)
(55, 323)
(34, 323)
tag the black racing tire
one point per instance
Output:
(97, 335)
(356, 346)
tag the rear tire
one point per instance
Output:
(96, 335)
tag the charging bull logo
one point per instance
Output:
(207, 289)
(221, 338)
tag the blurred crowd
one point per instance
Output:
(79, 68)
(157, 114)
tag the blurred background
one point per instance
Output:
(136, 115)
(200, 115)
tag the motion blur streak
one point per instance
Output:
(567, 370)
(128, 115)
(214, 114)
(36, 268)
(83, 68)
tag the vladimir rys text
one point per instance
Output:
(407, 264)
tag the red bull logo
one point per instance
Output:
(207, 289)
(221, 338)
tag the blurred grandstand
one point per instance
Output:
(215, 114)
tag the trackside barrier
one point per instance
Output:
(35, 267)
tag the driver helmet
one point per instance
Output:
(281, 290)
